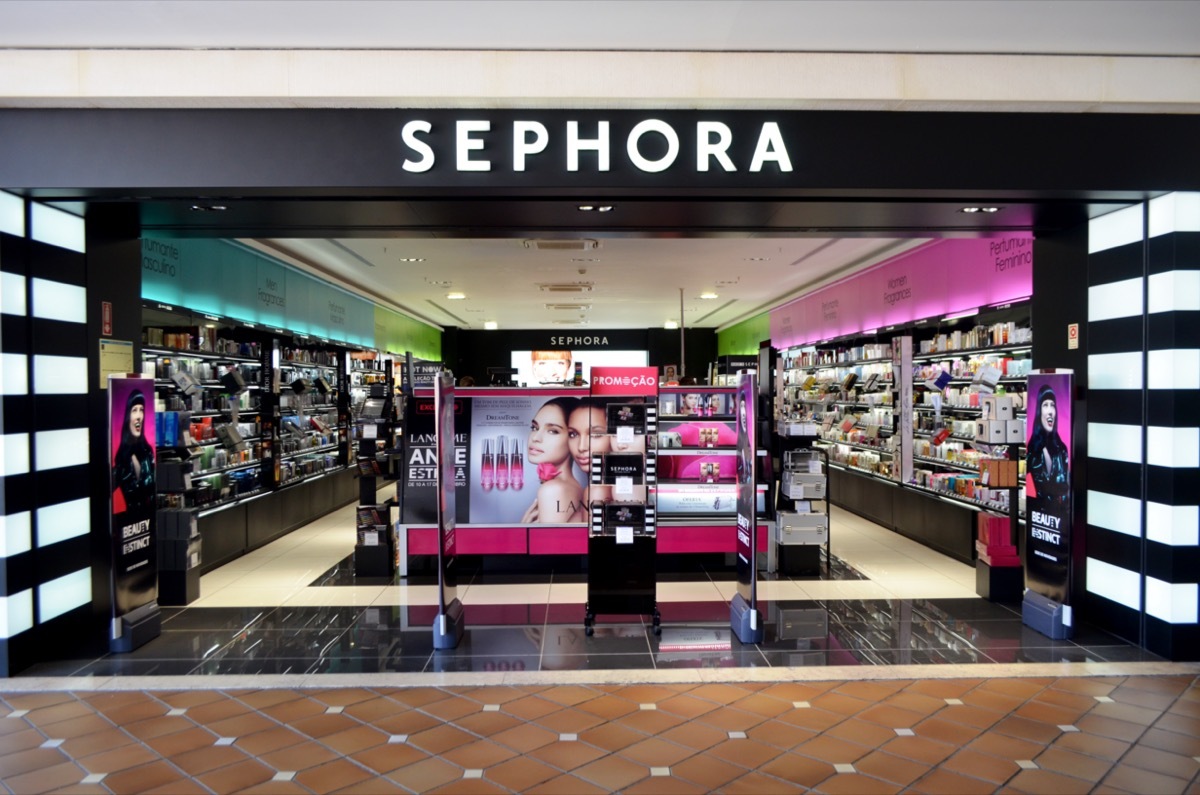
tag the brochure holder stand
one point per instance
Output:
(374, 550)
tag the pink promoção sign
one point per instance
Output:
(939, 278)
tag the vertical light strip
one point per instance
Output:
(1178, 448)
(1174, 603)
(60, 375)
(63, 594)
(1119, 228)
(1175, 212)
(12, 214)
(59, 301)
(1116, 513)
(1115, 442)
(57, 227)
(16, 613)
(1174, 291)
(1114, 583)
(1115, 299)
(1112, 371)
(1173, 525)
(63, 520)
(65, 448)
(14, 374)
(14, 453)
(12, 293)
(15, 534)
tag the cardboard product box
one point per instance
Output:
(1015, 431)
(998, 473)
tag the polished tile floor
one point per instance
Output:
(887, 675)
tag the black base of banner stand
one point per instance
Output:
(999, 583)
(799, 560)
(137, 628)
(745, 621)
(1045, 615)
(448, 627)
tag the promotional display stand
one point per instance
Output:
(622, 538)
(374, 554)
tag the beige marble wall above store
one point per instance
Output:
(516, 79)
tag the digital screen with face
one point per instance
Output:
(553, 367)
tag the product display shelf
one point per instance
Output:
(375, 546)
(924, 356)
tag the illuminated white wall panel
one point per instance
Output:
(14, 374)
(1112, 582)
(64, 594)
(1119, 514)
(1175, 212)
(1174, 603)
(1173, 369)
(56, 227)
(14, 453)
(1174, 525)
(15, 534)
(1115, 229)
(62, 521)
(1173, 291)
(56, 449)
(12, 293)
(1114, 300)
(1173, 447)
(16, 613)
(12, 214)
(1115, 442)
(1114, 371)
(60, 375)
(58, 301)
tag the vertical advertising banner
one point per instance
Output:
(420, 478)
(132, 462)
(1048, 485)
(447, 480)
(747, 526)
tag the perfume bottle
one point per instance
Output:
(516, 465)
(502, 463)
(487, 469)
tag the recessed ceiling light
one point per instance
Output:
(969, 210)
(758, 259)
(584, 259)
(490, 325)
(989, 209)
(605, 208)
(455, 296)
(708, 296)
(587, 208)
(671, 324)
(412, 259)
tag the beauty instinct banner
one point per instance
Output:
(1048, 500)
(132, 470)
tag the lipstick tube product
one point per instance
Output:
(487, 469)
(502, 463)
(516, 465)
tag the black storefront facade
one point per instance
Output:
(495, 173)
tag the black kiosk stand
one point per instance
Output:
(374, 555)
(622, 536)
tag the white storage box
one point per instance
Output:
(801, 528)
(796, 429)
(802, 486)
(1016, 431)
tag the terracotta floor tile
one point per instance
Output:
(566, 756)
(761, 705)
(891, 717)
(331, 776)
(944, 688)
(861, 732)
(1142, 698)
(797, 691)
(135, 711)
(664, 785)
(1164, 762)
(888, 767)
(1049, 713)
(854, 784)
(1035, 781)
(1089, 686)
(94, 743)
(872, 691)
(376, 785)
(169, 745)
(1174, 742)
(612, 772)
(126, 756)
(183, 786)
(1179, 723)
(525, 737)
(945, 731)
(493, 695)
(290, 788)
(798, 769)
(265, 742)
(831, 750)
(568, 721)
(611, 736)
(772, 732)
(759, 784)
(453, 708)
(919, 749)
(975, 717)
(66, 710)
(817, 720)
(659, 753)
(202, 760)
(374, 709)
(1065, 698)
(479, 754)
(746, 753)
(300, 756)
(916, 702)
(1093, 745)
(318, 726)
(982, 766)
(292, 710)
(688, 706)
(261, 699)
(185, 699)
(719, 693)
(998, 702)
(1189, 709)
(699, 736)
(1026, 729)
(385, 758)
(731, 719)
(12, 745)
(410, 722)
(417, 696)
(651, 721)
(485, 724)
(476, 786)
(570, 695)
(236, 777)
(530, 707)
(1006, 746)
(608, 707)
(32, 701)
(440, 739)
(426, 775)
(1110, 727)
(1071, 763)
(521, 773)
(157, 727)
(842, 705)
(342, 696)
(1130, 713)
(45, 779)
(241, 725)
(944, 782)
(145, 778)
(77, 727)
(355, 739)
(566, 785)
(652, 694)
(707, 770)
(1024, 688)
(217, 711)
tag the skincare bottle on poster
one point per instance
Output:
(487, 469)
(516, 465)
(502, 463)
